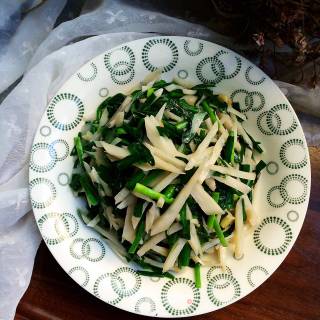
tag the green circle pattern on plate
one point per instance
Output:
(65, 145)
(282, 247)
(271, 114)
(217, 67)
(72, 99)
(145, 300)
(293, 215)
(84, 271)
(285, 194)
(126, 292)
(264, 128)
(213, 271)
(86, 249)
(97, 288)
(73, 250)
(249, 101)
(272, 167)
(193, 302)
(63, 179)
(191, 52)
(42, 167)
(89, 78)
(117, 68)
(71, 218)
(52, 190)
(271, 201)
(254, 269)
(237, 68)
(212, 287)
(158, 42)
(61, 235)
(284, 158)
(253, 82)
(183, 74)
(219, 75)
(45, 131)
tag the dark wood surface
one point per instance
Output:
(291, 293)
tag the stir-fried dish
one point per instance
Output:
(169, 176)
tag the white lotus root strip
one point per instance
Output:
(164, 156)
(167, 218)
(128, 232)
(124, 107)
(222, 257)
(227, 220)
(190, 99)
(148, 245)
(173, 254)
(152, 214)
(237, 113)
(205, 201)
(183, 83)
(234, 183)
(234, 172)
(239, 231)
(252, 216)
(160, 113)
(165, 182)
(129, 200)
(175, 227)
(211, 183)
(121, 195)
(163, 143)
(194, 241)
(152, 77)
(161, 250)
(202, 147)
(172, 116)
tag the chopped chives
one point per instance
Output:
(89, 190)
(154, 174)
(169, 191)
(229, 154)
(181, 125)
(216, 197)
(197, 275)
(217, 229)
(139, 233)
(152, 194)
(155, 274)
(137, 177)
(119, 131)
(260, 166)
(244, 215)
(184, 257)
(137, 211)
(209, 110)
(150, 92)
(79, 148)
(185, 223)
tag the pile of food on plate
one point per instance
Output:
(169, 175)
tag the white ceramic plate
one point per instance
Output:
(282, 206)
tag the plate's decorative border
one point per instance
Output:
(87, 258)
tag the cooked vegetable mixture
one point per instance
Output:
(169, 174)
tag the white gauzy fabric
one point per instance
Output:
(30, 33)
(115, 22)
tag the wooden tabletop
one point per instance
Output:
(292, 292)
